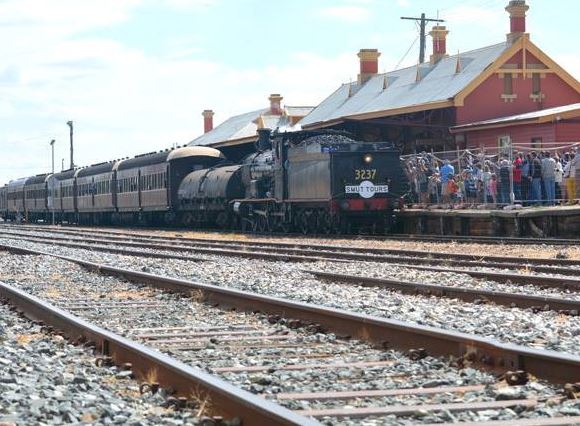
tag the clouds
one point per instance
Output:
(124, 99)
(64, 16)
(353, 14)
(134, 75)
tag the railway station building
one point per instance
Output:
(236, 137)
(510, 92)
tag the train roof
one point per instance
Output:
(37, 179)
(96, 169)
(67, 174)
(17, 182)
(167, 156)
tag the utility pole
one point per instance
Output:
(72, 161)
(51, 185)
(423, 25)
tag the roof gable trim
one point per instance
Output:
(525, 45)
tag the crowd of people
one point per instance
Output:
(533, 178)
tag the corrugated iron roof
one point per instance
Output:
(438, 82)
(246, 125)
(523, 117)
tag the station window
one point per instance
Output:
(536, 84)
(508, 84)
(504, 144)
(536, 143)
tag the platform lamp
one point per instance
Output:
(51, 183)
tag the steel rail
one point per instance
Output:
(226, 399)
(298, 255)
(477, 351)
(232, 253)
(396, 237)
(540, 421)
(478, 239)
(465, 294)
(304, 246)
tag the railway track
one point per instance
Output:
(300, 247)
(473, 295)
(290, 330)
(394, 237)
(480, 240)
(537, 303)
(112, 243)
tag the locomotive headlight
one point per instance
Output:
(368, 158)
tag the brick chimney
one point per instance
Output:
(207, 120)
(517, 10)
(369, 64)
(275, 104)
(439, 34)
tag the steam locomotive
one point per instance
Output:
(307, 181)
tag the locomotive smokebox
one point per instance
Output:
(264, 142)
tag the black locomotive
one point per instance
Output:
(309, 181)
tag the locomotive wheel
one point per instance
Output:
(303, 220)
(222, 220)
(324, 222)
(285, 227)
(248, 225)
(187, 219)
(262, 224)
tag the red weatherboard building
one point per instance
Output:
(511, 92)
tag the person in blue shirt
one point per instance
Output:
(446, 170)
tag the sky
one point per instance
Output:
(135, 75)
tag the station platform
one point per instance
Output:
(540, 222)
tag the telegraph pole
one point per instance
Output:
(72, 161)
(423, 25)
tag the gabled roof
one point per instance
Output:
(426, 86)
(234, 128)
(536, 117)
(243, 128)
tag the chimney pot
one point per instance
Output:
(369, 64)
(275, 104)
(439, 34)
(207, 120)
(517, 10)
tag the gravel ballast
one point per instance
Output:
(542, 330)
(45, 380)
(62, 282)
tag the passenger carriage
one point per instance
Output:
(3, 203)
(35, 198)
(147, 185)
(15, 199)
(96, 195)
(63, 196)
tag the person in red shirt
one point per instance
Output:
(517, 171)
(452, 189)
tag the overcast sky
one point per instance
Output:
(134, 75)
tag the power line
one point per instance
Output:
(406, 53)
(423, 34)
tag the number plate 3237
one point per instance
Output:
(365, 174)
